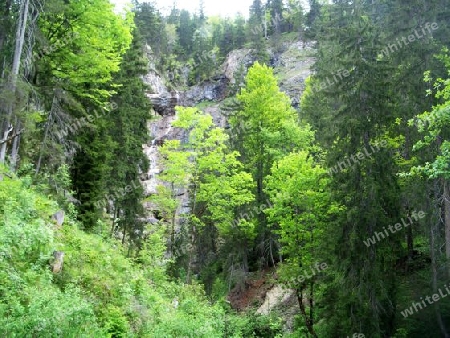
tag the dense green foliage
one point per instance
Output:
(100, 292)
(346, 199)
(198, 44)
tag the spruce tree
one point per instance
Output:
(256, 31)
(351, 88)
(128, 130)
(239, 31)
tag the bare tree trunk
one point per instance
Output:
(20, 37)
(308, 322)
(311, 302)
(190, 252)
(265, 25)
(172, 233)
(113, 225)
(447, 224)
(410, 242)
(47, 129)
(245, 257)
(434, 271)
(124, 231)
(15, 146)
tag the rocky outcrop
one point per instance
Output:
(275, 297)
(291, 66)
(237, 61)
(213, 90)
(57, 263)
(163, 100)
(164, 103)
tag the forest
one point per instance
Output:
(279, 173)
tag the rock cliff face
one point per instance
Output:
(212, 90)
(164, 103)
(291, 66)
(162, 99)
(160, 129)
(237, 60)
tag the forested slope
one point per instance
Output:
(96, 291)
(170, 174)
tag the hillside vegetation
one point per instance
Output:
(179, 175)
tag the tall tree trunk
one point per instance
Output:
(20, 37)
(265, 26)
(47, 130)
(410, 243)
(311, 302)
(172, 223)
(124, 229)
(15, 146)
(446, 204)
(434, 272)
(409, 233)
(309, 324)
(113, 224)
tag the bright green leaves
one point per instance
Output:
(435, 127)
(177, 168)
(301, 205)
(271, 131)
(225, 189)
(271, 127)
(30, 304)
(99, 292)
(176, 174)
(264, 105)
(91, 50)
(23, 232)
(213, 172)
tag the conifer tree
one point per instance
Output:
(353, 119)
(276, 16)
(256, 31)
(412, 42)
(239, 31)
(128, 131)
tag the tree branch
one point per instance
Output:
(12, 136)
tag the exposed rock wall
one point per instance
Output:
(291, 66)
(213, 90)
